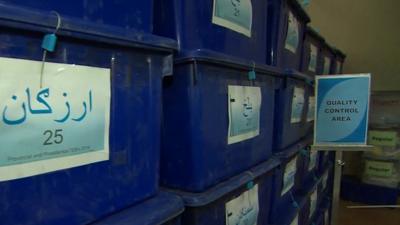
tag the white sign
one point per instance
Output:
(62, 124)
(312, 64)
(313, 203)
(342, 108)
(244, 209)
(313, 160)
(297, 105)
(289, 176)
(326, 216)
(311, 109)
(293, 34)
(295, 221)
(236, 15)
(327, 65)
(244, 104)
(325, 178)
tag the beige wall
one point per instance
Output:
(368, 31)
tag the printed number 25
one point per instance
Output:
(55, 137)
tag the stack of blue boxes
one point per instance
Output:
(113, 35)
(211, 113)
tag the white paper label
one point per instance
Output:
(244, 103)
(63, 124)
(326, 218)
(338, 67)
(289, 176)
(313, 160)
(244, 209)
(313, 203)
(295, 221)
(236, 15)
(297, 105)
(292, 36)
(312, 65)
(311, 109)
(325, 180)
(327, 65)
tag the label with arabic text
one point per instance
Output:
(44, 117)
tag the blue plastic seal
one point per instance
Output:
(252, 75)
(49, 42)
(250, 185)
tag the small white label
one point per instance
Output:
(311, 109)
(295, 221)
(244, 103)
(325, 180)
(313, 203)
(313, 160)
(244, 209)
(312, 64)
(327, 65)
(63, 124)
(236, 15)
(326, 217)
(292, 36)
(289, 176)
(339, 67)
(297, 105)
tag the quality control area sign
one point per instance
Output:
(342, 106)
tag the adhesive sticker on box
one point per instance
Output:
(382, 138)
(311, 109)
(244, 103)
(236, 15)
(292, 36)
(312, 65)
(326, 217)
(289, 176)
(244, 209)
(42, 126)
(313, 203)
(297, 105)
(379, 168)
(295, 221)
(313, 160)
(327, 65)
(325, 180)
(339, 67)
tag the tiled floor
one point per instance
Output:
(367, 216)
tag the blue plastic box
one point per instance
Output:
(311, 208)
(324, 161)
(327, 60)
(312, 46)
(308, 169)
(83, 194)
(326, 184)
(163, 209)
(285, 184)
(310, 106)
(235, 28)
(126, 14)
(318, 220)
(245, 197)
(326, 212)
(352, 189)
(200, 148)
(290, 123)
(291, 215)
(287, 22)
(339, 61)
